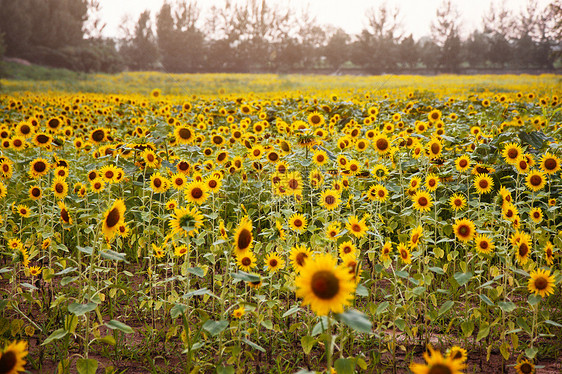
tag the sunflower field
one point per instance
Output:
(224, 224)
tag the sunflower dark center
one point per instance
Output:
(320, 158)
(64, 215)
(293, 184)
(523, 164)
(356, 227)
(435, 148)
(439, 369)
(484, 244)
(246, 261)
(415, 238)
(330, 199)
(244, 239)
(536, 180)
(550, 164)
(42, 139)
(25, 129)
(5, 168)
(301, 258)
(113, 218)
(184, 133)
(109, 174)
(325, 284)
(98, 135)
(541, 283)
(157, 182)
(217, 140)
(7, 362)
(382, 144)
(196, 193)
(464, 230)
(315, 119)
(483, 184)
(150, 157)
(523, 249)
(273, 263)
(347, 249)
(39, 166)
(432, 182)
(404, 253)
(53, 123)
(59, 188)
(422, 201)
(458, 202)
(512, 153)
(36, 192)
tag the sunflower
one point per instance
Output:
(35, 192)
(256, 152)
(356, 226)
(97, 185)
(550, 164)
(178, 181)
(385, 251)
(483, 244)
(431, 182)
(535, 180)
(299, 256)
(511, 153)
(549, 253)
(316, 119)
(243, 236)
(98, 135)
(324, 285)
(422, 201)
(483, 183)
(523, 248)
(181, 250)
(320, 157)
(239, 312)
(12, 358)
(457, 201)
(293, 184)
(42, 140)
(381, 143)
(330, 199)
(186, 221)
(213, 183)
(404, 253)
(112, 218)
(333, 230)
(434, 115)
(415, 183)
(536, 215)
(509, 211)
(23, 210)
(457, 353)
(464, 229)
(347, 249)
(297, 222)
(415, 237)
(274, 262)
(378, 193)
(150, 158)
(280, 230)
(196, 192)
(39, 167)
(525, 367)
(60, 187)
(522, 165)
(64, 214)
(34, 271)
(6, 169)
(462, 163)
(541, 283)
(434, 148)
(380, 172)
(436, 363)
(246, 261)
(24, 129)
(108, 173)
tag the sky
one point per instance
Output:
(347, 14)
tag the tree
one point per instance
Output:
(140, 50)
(336, 51)
(445, 34)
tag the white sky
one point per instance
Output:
(347, 14)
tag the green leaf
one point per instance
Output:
(467, 328)
(307, 343)
(247, 277)
(291, 311)
(486, 299)
(81, 309)
(356, 320)
(382, 307)
(108, 254)
(361, 291)
(549, 322)
(437, 270)
(400, 323)
(177, 310)
(108, 339)
(463, 278)
(523, 324)
(253, 345)
(215, 327)
(55, 335)
(483, 332)
(225, 370)
(87, 250)
(116, 325)
(344, 366)
(531, 352)
(445, 307)
(534, 299)
(507, 306)
(86, 366)
(197, 271)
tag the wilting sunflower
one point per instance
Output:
(483, 183)
(457, 353)
(356, 226)
(246, 261)
(324, 285)
(464, 229)
(196, 192)
(12, 358)
(114, 216)
(300, 255)
(60, 187)
(330, 199)
(64, 214)
(550, 164)
(415, 236)
(541, 283)
(297, 222)
(404, 253)
(436, 363)
(422, 201)
(243, 237)
(39, 167)
(535, 180)
(525, 367)
(483, 244)
(457, 201)
(274, 262)
(347, 249)
(511, 153)
(186, 221)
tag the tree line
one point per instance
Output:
(258, 37)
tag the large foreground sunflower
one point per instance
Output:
(11, 358)
(186, 221)
(541, 283)
(114, 216)
(324, 285)
(436, 363)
